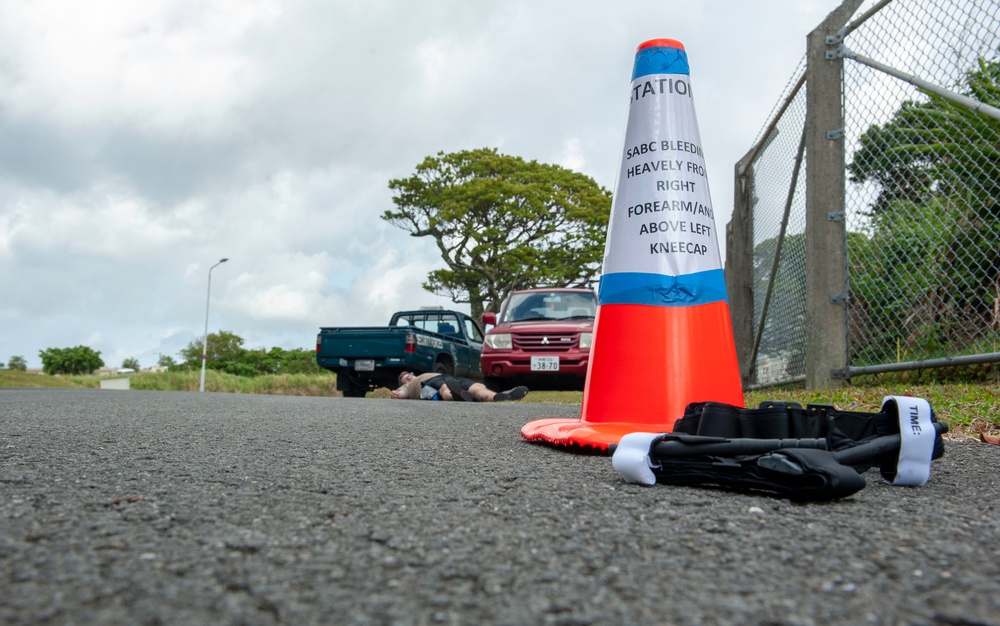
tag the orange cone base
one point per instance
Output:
(573, 432)
(647, 364)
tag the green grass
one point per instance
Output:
(279, 384)
(966, 407)
(284, 384)
(15, 378)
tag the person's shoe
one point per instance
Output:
(457, 392)
(511, 394)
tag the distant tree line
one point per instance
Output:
(225, 353)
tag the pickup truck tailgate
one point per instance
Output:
(377, 342)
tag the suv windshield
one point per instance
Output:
(551, 305)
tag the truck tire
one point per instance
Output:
(443, 366)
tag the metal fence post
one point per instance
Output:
(826, 243)
(739, 268)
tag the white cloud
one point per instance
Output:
(572, 156)
(156, 63)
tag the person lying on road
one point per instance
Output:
(433, 386)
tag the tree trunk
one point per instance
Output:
(476, 307)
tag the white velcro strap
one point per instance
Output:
(917, 435)
(631, 458)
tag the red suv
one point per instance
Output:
(541, 338)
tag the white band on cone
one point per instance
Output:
(662, 246)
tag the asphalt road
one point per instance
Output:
(132, 507)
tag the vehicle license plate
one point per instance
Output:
(364, 365)
(544, 364)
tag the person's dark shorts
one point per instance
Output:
(438, 381)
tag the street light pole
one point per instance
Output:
(204, 345)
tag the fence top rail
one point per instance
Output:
(839, 36)
(749, 158)
(972, 103)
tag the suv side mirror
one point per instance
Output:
(490, 317)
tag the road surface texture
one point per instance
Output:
(139, 507)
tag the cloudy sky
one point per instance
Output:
(140, 142)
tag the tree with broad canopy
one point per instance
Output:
(502, 223)
(77, 360)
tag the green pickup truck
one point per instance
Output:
(368, 357)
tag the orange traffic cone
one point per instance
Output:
(663, 337)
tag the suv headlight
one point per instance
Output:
(499, 341)
(585, 340)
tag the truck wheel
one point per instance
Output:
(443, 367)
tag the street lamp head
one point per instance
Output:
(223, 260)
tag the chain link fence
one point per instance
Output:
(921, 199)
(779, 222)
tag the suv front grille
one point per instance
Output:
(546, 342)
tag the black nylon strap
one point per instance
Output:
(786, 420)
(796, 473)
(812, 453)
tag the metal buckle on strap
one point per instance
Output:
(780, 404)
(828, 413)
(824, 408)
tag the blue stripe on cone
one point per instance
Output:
(660, 60)
(662, 290)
